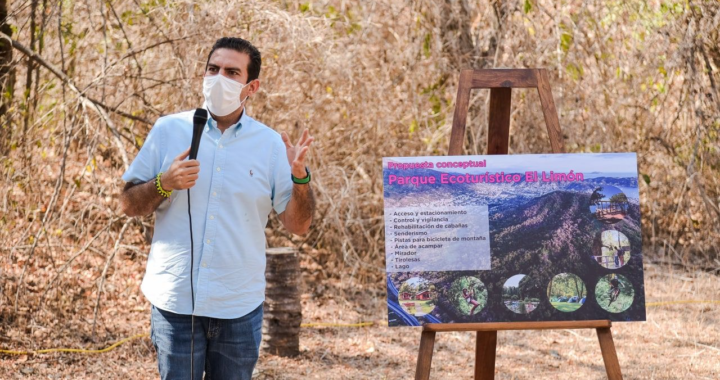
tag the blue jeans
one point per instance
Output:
(224, 348)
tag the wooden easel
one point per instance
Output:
(501, 83)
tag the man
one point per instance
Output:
(243, 171)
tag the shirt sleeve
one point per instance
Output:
(282, 184)
(146, 164)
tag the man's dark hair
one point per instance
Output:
(242, 46)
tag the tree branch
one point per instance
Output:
(69, 82)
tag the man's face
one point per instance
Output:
(232, 64)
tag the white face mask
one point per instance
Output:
(222, 94)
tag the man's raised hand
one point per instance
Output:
(181, 174)
(296, 153)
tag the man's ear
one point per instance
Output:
(254, 87)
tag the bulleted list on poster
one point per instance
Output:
(442, 238)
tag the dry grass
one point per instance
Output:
(676, 342)
(370, 79)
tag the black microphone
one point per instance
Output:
(199, 120)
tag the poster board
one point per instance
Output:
(494, 238)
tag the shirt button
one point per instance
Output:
(212, 217)
(218, 168)
(204, 264)
(214, 193)
(207, 241)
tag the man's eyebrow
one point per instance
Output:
(214, 66)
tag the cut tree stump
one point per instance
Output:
(282, 309)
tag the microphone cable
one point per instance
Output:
(192, 294)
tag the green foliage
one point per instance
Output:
(413, 126)
(646, 178)
(128, 17)
(566, 285)
(565, 306)
(527, 6)
(574, 71)
(566, 37)
(522, 308)
(426, 45)
(619, 198)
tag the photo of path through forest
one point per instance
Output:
(615, 250)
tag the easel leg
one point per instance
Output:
(499, 121)
(485, 355)
(427, 342)
(607, 347)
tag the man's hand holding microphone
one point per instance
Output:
(182, 174)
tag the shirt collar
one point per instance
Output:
(234, 129)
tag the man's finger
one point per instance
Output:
(303, 137)
(301, 156)
(189, 164)
(183, 155)
(286, 140)
(188, 171)
(309, 141)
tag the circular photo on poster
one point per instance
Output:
(521, 294)
(608, 204)
(614, 293)
(417, 296)
(468, 295)
(613, 251)
(567, 292)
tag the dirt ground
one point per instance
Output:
(679, 341)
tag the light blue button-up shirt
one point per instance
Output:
(244, 174)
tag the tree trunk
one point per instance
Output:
(577, 289)
(282, 309)
(29, 74)
(550, 289)
(7, 81)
